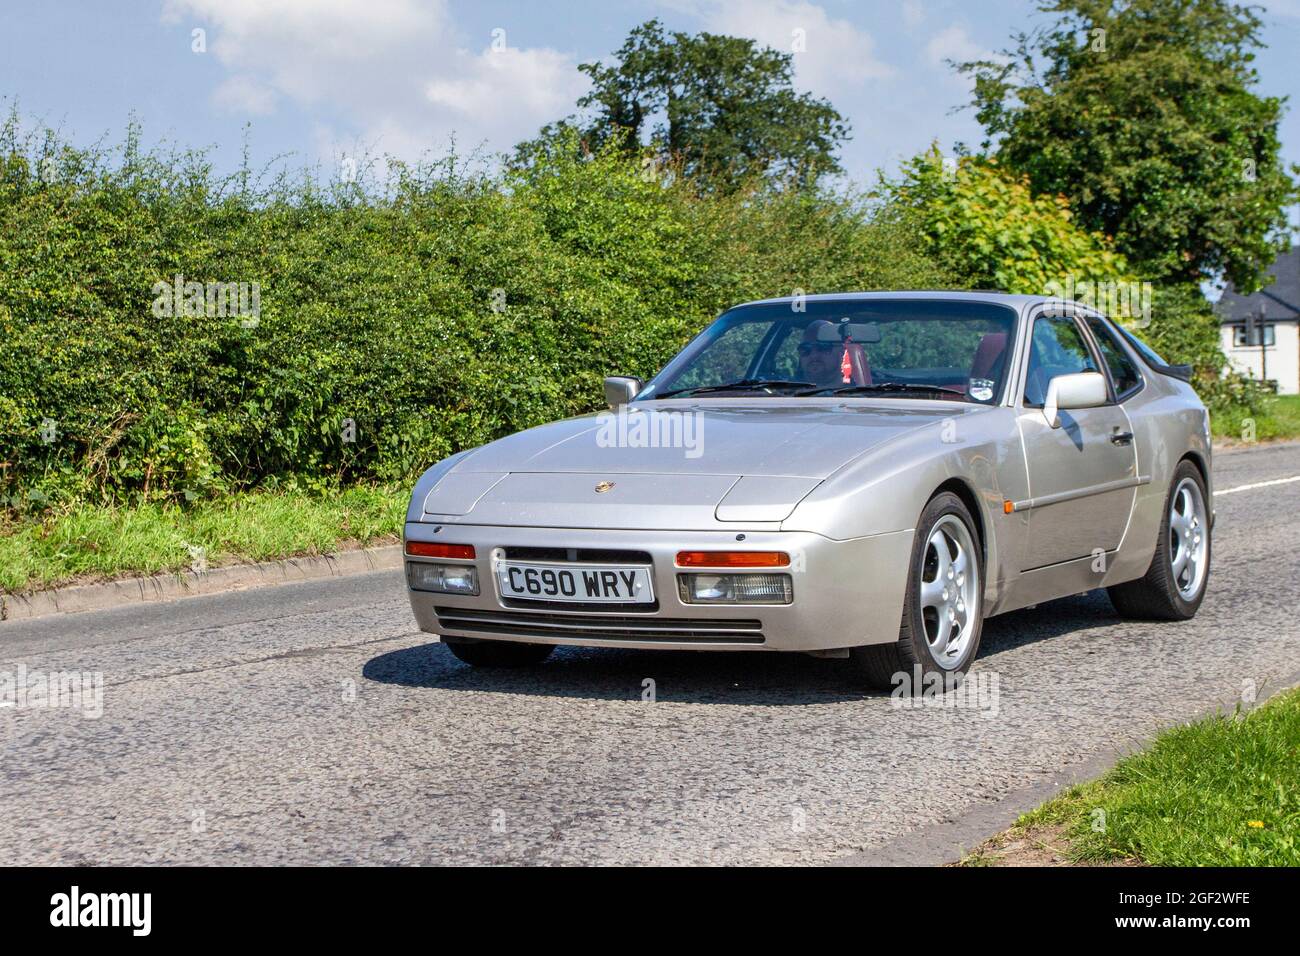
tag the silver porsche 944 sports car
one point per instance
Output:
(866, 476)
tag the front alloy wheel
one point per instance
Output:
(949, 591)
(943, 607)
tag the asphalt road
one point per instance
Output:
(312, 723)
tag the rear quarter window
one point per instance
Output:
(1123, 371)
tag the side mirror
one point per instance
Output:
(620, 389)
(1080, 390)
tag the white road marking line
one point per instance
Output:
(1258, 484)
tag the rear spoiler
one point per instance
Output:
(1182, 372)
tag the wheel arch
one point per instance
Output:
(1198, 462)
(960, 488)
(1195, 458)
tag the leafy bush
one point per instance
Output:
(394, 324)
(1184, 329)
(384, 326)
(984, 223)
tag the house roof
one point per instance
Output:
(1280, 299)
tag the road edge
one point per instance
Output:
(939, 844)
(175, 586)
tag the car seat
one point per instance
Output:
(988, 355)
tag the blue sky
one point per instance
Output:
(322, 79)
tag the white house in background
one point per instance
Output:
(1277, 311)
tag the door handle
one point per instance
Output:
(1121, 438)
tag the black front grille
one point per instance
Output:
(531, 604)
(590, 555)
(596, 627)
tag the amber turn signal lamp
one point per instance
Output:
(732, 559)
(428, 549)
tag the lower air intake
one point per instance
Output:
(590, 627)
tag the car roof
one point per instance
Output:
(948, 295)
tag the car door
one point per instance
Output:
(1083, 474)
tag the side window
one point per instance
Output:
(1122, 370)
(1056, 348)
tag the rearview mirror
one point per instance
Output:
(1080, 390)
(620, 389)
(864, 333)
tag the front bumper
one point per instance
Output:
(846, 593)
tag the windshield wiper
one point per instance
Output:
(744, 385)
(884, 388)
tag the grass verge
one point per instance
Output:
(1223, 791)
(93, 543)
(1280, 419)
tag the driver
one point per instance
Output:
(820, 353)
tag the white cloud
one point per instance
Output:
(541, 81)
(836, 56)
(395, 74)
(955, 44)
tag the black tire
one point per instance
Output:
(910, 654)
(498, 653)
(1155, 596)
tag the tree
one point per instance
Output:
(721, 107)
(1142, 113)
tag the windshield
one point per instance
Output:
(909, 348)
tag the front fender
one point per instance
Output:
(886, 490)
(424, 484)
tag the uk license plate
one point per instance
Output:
(579, 583)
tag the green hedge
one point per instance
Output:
(440, 310)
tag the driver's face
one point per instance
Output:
(819, 362)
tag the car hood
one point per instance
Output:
(808, 438)
(672, 465)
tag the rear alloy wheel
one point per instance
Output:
(942, 610)
(1174, 585)
(498, 653)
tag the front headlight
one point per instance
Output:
(735, 588)
(442, 578)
